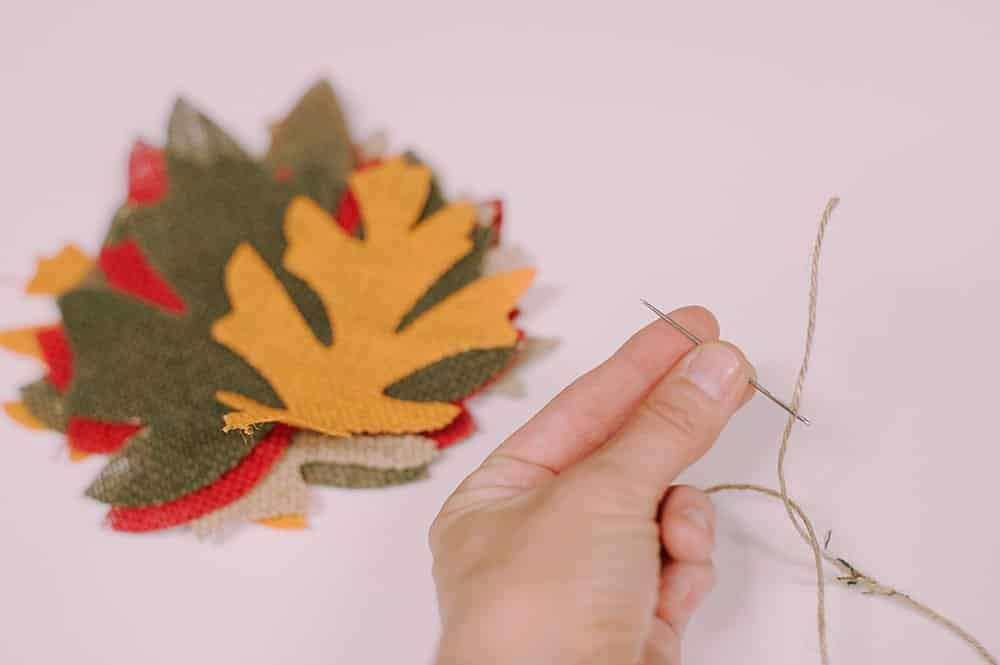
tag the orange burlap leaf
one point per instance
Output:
(291, 522)
(58, 274)
(367, 287)
(20, 414)
(23, 341)
(77, 455)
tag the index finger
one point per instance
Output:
(596, 405)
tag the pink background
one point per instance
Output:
(680, 152)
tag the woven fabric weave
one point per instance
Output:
(284, 491)
(232, 485)
(367, 287)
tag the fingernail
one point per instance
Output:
(712, 368)
(699, 519)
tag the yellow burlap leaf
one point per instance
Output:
(20, 414)
(366, 287)
(58, 274)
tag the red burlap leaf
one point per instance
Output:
(147, 174)
(347, 214)
(282, 174)
(461, 427)
(58, 356)
(96, 436)
(228, 488)
(127, 270)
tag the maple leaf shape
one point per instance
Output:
(137, 363)
(367, 288)
(150, 359)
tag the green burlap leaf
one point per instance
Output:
(435, 197)
(190, 235)
(435, 200)
(132, 361)
(452, 378)
(355, 476)
(314, 145)
(193, 135)
(46, 404)
(121, 224)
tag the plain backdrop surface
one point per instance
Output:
(680, 152)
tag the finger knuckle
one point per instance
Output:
(677, 413)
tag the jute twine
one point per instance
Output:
(849, 574)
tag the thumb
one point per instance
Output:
(676, 423)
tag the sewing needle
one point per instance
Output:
(753, 382)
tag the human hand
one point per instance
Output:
(569, 545)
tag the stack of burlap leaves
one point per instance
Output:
(252, 327)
